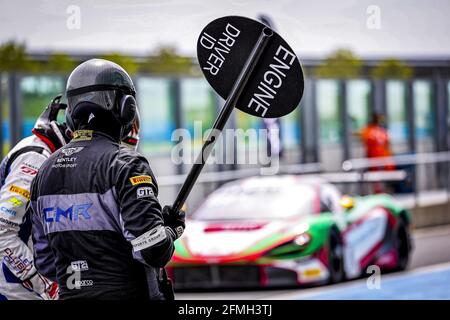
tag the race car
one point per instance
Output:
(288, 230)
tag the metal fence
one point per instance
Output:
(412, 175)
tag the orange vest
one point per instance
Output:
(376, 141)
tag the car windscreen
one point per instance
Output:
(257, 202)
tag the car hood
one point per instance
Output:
(227, 241)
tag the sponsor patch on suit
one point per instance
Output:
(20, 191)
(140, 179)
(149, 239)
(82, 135)
(144, 192)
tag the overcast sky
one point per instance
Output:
(312, 27)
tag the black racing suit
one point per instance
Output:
(97, 223)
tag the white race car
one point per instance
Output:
(288, 230)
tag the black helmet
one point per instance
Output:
(132, 139)
(54, 134)
(100, 93)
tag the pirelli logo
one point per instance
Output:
(20, 191)
(140, 179)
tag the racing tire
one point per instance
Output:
(402, 245)
(335, 257)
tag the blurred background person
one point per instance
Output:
(376, 141)
(19, 278)
(376, 138)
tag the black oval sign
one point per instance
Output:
(275, 87)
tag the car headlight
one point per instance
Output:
(293, 247)
(302, 239)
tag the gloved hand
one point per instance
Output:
(174, 220)
(45, 288)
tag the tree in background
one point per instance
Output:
(59, 62)
(13, 57)
(168, 61)
(126, 62)
(340, 64)
(392, 68)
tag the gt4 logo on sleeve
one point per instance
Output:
(20, 191)
(140, 179)
(144, 192)
(79, 265)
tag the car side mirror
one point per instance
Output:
(347, 202)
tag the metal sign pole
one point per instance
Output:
(223, 116)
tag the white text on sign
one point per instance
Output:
(220, 48)
(272, 80)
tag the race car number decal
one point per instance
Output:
(140, 179)
(20, 191)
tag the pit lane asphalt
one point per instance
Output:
(431, 247)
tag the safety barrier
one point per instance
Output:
(429, 206)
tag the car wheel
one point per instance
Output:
(335, 257)
(402, 245)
